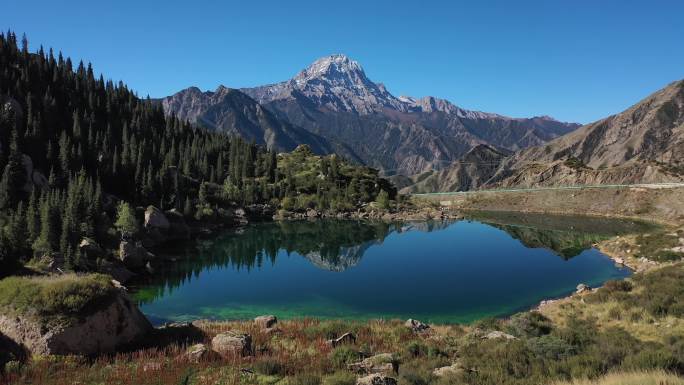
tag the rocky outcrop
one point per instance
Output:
(114, 325)
(155, 219)
(231, 344)
(450, 370)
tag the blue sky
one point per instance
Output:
(577, 60)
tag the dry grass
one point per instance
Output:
(636, 378)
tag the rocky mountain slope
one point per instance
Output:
(233, 112)
(469, 172)
(643, 144)
(334, 99)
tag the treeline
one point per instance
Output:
(71, 144)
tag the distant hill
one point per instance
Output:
(644, 143)
(362, 121)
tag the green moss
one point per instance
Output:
(64, 297)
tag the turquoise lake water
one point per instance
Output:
(447, 272)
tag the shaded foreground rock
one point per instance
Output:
(376, 379)
(115, 325)
(232, 344)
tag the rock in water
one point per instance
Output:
(232, 344)
(376, 379)
(266, 321)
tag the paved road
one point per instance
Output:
(583, 187)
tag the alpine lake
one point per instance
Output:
(488, 265)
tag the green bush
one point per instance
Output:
(305, 379)
(340, 378)
(529, 324)
(344, 355)
(269, 367)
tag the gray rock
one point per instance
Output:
(376, 379)
(133, 255)
(91, 249)
(383, 363)
(497, 335)
(448, 370)
(155, 218)
(200, 352)
(416, 326)
(346, 338)
(581, 288)
(232, 344)
(266, 321)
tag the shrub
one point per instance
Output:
(529, 324)
(344, 355)
(551, 347)
(305, 379)
(340, 378)
(269, 367)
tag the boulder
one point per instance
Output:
(133, 255)
(416, 326)
(311, 213)
(346, 338)
(498, 334)
(155, 219)
(619, 261)
(448, 370)
(383, 363)
(266, 321)
(200, 352)
(232, 344)
(114, 325)
(581, 288)
(178, 229)
(90, 249)
(376, 379)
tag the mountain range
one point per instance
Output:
(643, 144)
(334, 107)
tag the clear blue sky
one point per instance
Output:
(576, 60)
